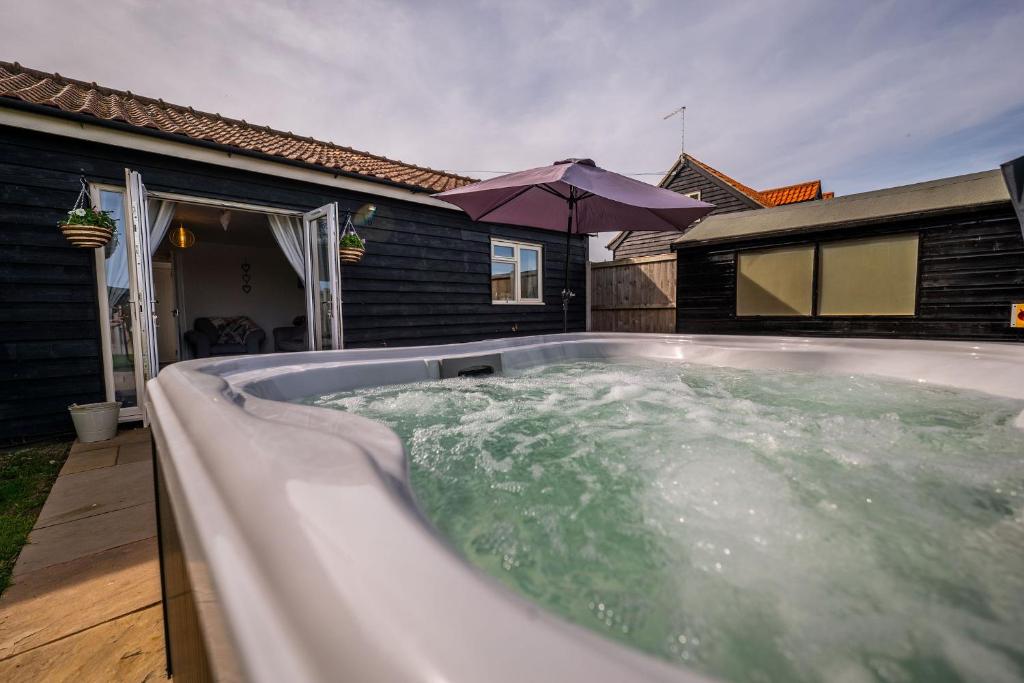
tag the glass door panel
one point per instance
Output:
(115, 305)
(140, 279)
(323, 278)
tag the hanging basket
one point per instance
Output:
(86, 236)
(85, 227)
(351, 255)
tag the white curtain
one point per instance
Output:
(116, 262)
(287, 231)
(160, 214)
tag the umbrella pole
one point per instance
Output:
(566, 292)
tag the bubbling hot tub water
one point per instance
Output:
(755, 525)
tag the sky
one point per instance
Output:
(862, 95)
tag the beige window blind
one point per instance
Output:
(775, 282)
(872, 276)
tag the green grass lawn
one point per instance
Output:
(26, 475)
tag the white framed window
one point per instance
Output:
(517, 272)
(693, 195)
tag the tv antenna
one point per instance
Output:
(682, 127)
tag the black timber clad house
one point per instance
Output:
(685, 177)
(690, 176)
(425, 278)
(969, 262)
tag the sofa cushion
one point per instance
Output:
(233, 330)
(207, 328)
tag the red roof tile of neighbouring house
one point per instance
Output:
(105, 104)
(792, 194)
(778, 196)
(748, 191)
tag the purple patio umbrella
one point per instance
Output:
(577, 197)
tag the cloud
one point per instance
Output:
(863, 95)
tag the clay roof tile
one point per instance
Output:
(79, 97)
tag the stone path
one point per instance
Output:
(84, 604)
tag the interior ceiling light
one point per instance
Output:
(182, 237)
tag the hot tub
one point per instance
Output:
(292, 548)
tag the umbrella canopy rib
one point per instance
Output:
(502, 202)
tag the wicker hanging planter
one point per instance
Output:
(352, 248)
(84, 227)
(351, 255)
(86, 236)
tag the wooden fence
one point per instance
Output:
(634, 294)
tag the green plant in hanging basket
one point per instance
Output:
(352, 241)
(351, 248)
(87, 228)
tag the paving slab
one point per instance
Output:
(69, 541)
(134, 451)
(135, 435)
(48, 604)
(124, 436)
(82, 461)
(97, 491)
(130, 648)
(79, 447)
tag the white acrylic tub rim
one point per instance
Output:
(309, 560)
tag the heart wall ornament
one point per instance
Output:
(246, 277)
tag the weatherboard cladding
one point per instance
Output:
(688, 178)
(970, 269)
(425, 278)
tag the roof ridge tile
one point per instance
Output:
(792, 185)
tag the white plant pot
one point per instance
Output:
(95, 421)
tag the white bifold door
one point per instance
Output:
(323, 278)
(140, 280)
(322, 274)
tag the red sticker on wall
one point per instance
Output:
(1017, 315)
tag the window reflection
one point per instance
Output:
(122, 355)
(528, 281)
(502, 277)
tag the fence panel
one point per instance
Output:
(634, 294)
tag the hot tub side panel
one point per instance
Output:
(187, 658)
